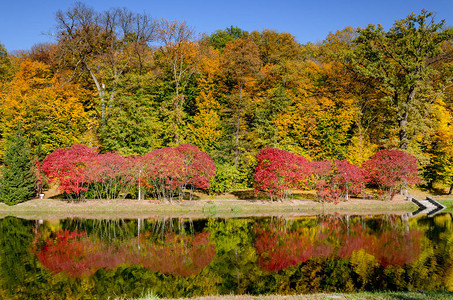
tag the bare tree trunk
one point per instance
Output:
(403, 131)
(100, 88)
(238, 124)
(403, 120)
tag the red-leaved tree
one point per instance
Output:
(168, 172)
(279, 171)
(336, 180)
(111, 175)
(392, 170)
(162, 172)
(68, 168)
(199, 168)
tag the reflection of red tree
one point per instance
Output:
(68, 252)
(278, 249)
(356, 239)
(390, 248)
(397, 249)
(74, 254)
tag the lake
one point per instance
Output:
(180, 257)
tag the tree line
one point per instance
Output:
(129, 83)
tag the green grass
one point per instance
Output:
(240, 203)
(448, 204)
(57, 209)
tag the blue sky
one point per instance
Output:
(25, 23)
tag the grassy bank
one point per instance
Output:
(447, 201)
(57, 209)
(356, 296)
(240, 203)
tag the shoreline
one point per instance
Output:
(218, 208)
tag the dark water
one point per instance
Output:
(100, 259)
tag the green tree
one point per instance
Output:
(134, 127)
(18, 179)
(5, 64)
(402, 61)
(220, 38)
(179, 57)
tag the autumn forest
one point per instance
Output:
(132, 83)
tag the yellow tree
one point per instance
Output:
(440, 148)
(322, 113)
(274, 94)
(47, 108)
(205, 130)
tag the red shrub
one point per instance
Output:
(68, 167)
(279, 171)
(199, 166)
(169, 171)
(337, 179)
(391, 170)
(162, 172)
(111, 175)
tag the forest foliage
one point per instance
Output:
(130, 84)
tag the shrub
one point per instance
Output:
(69, 169)
(392, 170)
(336, 180)
(279, 171)
(111, 176)
(168, 172)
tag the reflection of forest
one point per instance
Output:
(180, 257)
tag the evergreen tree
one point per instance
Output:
(17, 183)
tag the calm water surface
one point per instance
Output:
(174, 257)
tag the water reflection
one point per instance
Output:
(177, 257)
(280, 247)
(109, 244)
